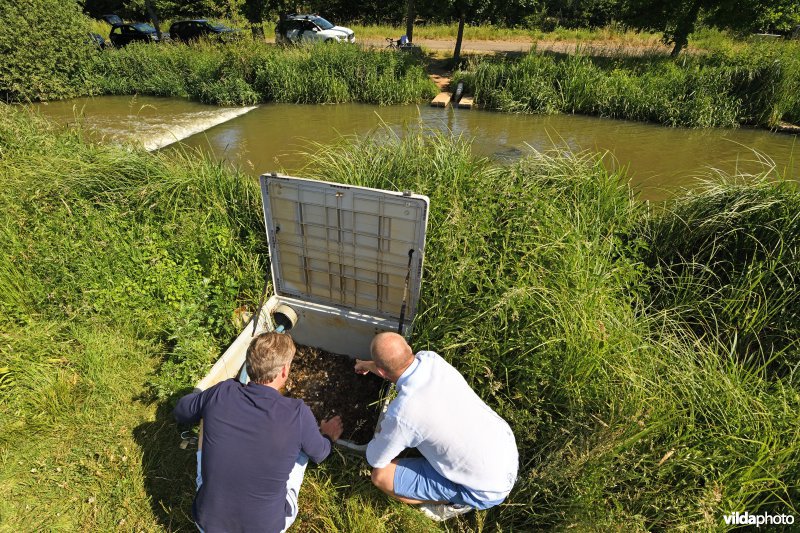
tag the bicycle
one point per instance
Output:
(397, 44)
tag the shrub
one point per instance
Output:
(759, 85)
(45, 46)
(247, 72)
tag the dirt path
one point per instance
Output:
(565, 47)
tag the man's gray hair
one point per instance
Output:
(267, 354)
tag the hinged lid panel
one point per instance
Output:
(345, 246)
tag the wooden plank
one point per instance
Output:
(441, 100)
(466, 102)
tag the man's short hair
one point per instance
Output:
(391, 353)
(266, 355)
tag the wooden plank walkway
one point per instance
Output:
(466, 102)
(441, 100)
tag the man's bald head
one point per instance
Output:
(391, 354)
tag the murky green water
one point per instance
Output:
(268, 138)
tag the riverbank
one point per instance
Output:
(759, 86)
(247, 72)
(644, 360)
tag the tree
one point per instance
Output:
(411, 15)
(151, 13)
(254, 12)
(460, 35)
(481, 11)
(677, 19)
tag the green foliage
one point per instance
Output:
(536, 290)
(726, 255)
(643, 358)
(169, 9)
(248, 72)
(677, 20)
(132, 245)
(755, 86)
(44, 46)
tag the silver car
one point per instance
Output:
(311, 28)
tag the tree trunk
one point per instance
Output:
(151, 12)
(684, 27)
(459, 39)
(411, 14)
(254, 12)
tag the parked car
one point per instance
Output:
(188, 30)
(112, 19)
(297, 28)
(122, 34)
(97, 40)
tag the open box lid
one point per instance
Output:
(345, 246)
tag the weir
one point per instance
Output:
(153, 122)
(195, 124)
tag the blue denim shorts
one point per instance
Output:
(415, 478)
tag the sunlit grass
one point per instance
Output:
(645, 360)
(247, 72)
(757, 86)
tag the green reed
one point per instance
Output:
(756, 85)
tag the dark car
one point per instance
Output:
(189, 30)
(122, 34)
(97, 40)
(112, 19)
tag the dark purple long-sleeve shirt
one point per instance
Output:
(252, 436)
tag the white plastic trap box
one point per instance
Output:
(347, 260)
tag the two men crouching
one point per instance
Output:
(256, 442)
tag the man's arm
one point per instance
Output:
(365, 367)
(391, 439)
(189, 409)
(313, 443)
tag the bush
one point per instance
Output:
(45, 46)
(247, 72)
(760, 86)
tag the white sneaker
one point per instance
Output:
(439, 512)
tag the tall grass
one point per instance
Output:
(561, 299)
(538, 288)
(489, 32)
(725, 263)
(758, 86)
(248, 72)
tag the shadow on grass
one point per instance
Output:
(169, 471)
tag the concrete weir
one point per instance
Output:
(198, 123)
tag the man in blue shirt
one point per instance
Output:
(256, 444)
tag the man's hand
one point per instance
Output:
(332, 427)
(365, 367)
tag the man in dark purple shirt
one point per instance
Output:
(256, 444)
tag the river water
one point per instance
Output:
(269, 138)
